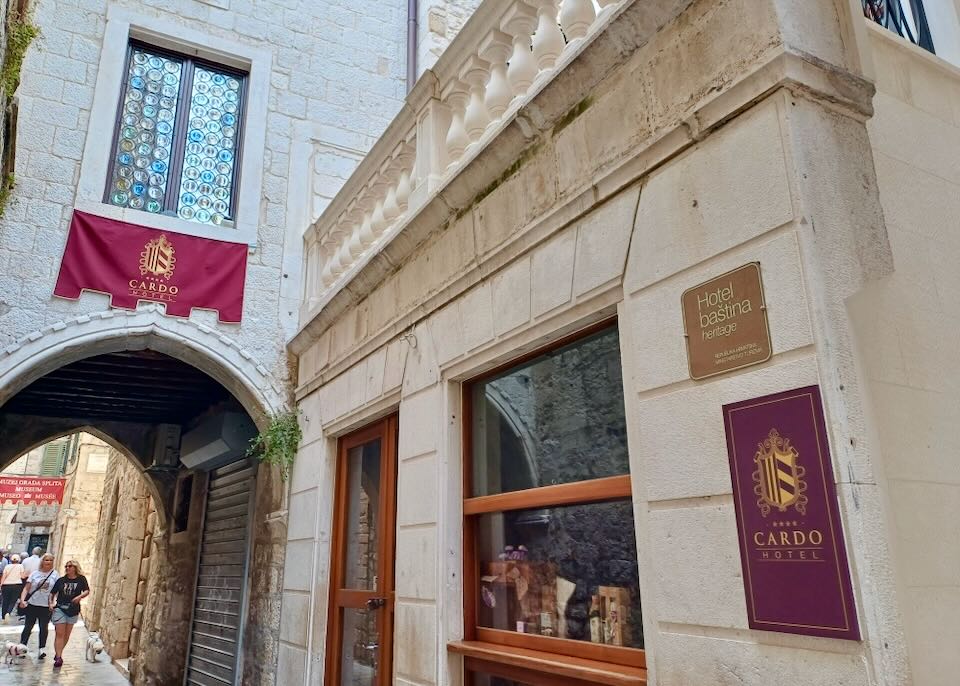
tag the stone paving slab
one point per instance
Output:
(76, 671)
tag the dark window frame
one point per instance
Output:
(189, 63)
(595, 490)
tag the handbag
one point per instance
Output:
(30, 594)
(69, 608)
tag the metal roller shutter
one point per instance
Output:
(218, 608)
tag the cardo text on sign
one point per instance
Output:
(725, 323)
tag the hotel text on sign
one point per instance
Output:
(795, 571)
(725, 323)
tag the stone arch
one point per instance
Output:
(125, 439)
(210, 351)
(215, 353)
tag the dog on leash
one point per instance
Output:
(15, 653)
(94, 646)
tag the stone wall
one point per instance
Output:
(262, 644)
(734, 134)
(145, 577)
(905, 325)
(77, 524)
(439, 22)
(119, 578)
(342, 67)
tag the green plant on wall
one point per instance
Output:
(277, 444)
(6, 188)
(20, 33)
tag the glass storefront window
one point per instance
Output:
(556, 419)
(549, 524)
(566, 572)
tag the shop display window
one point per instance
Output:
(550, 547)
(574, 577)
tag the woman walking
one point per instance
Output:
(65, 599)
(35, 601)
(11, 584)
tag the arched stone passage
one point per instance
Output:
(154, 448)
(19, 434)
(215, 354)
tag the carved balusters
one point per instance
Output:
(576, 16)
(475, 73)
(326, 268)
(548, 41)
(529, 39)
(389, 173)
(495, 48)
(519, 21)
(406, 159)
(456, 96)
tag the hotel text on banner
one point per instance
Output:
(132, 263)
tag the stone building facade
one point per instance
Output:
(122, 559)
(652, 147)
(73, 535)
(323, 79)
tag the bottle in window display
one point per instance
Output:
(596, 622)
(615, 603)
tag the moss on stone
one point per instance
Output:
(524, 157)
(572, 114)
(20, 34)
(6, 190)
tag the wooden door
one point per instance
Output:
(360, 623)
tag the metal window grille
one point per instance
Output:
(176, 147)
(906, 18)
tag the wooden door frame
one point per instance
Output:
(386, 430)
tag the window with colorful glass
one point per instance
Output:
(178, 137)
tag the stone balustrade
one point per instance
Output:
(503, 56)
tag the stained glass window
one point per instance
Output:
(142, 154)
(177, 137)
(207, 180)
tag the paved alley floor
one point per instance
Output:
(76, 671)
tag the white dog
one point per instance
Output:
(94, 647)
(15, 653)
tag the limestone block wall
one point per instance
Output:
(907, 326)
(439, 21)
(672, 169)
(326, 63)
(75, 530)
(122, 546)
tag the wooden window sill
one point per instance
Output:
(564, 669)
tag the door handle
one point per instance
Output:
(376, 603)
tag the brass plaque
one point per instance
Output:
(725, 323)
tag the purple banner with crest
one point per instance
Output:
(795, 568)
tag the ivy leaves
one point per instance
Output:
(277, 444)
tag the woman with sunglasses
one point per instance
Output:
(65, 599)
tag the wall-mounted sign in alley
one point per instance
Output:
(725, 323)
(795, 570)
(31, 490)
(130, 263)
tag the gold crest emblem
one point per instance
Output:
(779, 478)
(158, 259)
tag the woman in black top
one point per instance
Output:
(65, 599)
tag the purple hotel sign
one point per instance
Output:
(791, 545)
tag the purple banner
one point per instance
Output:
(795, 568)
